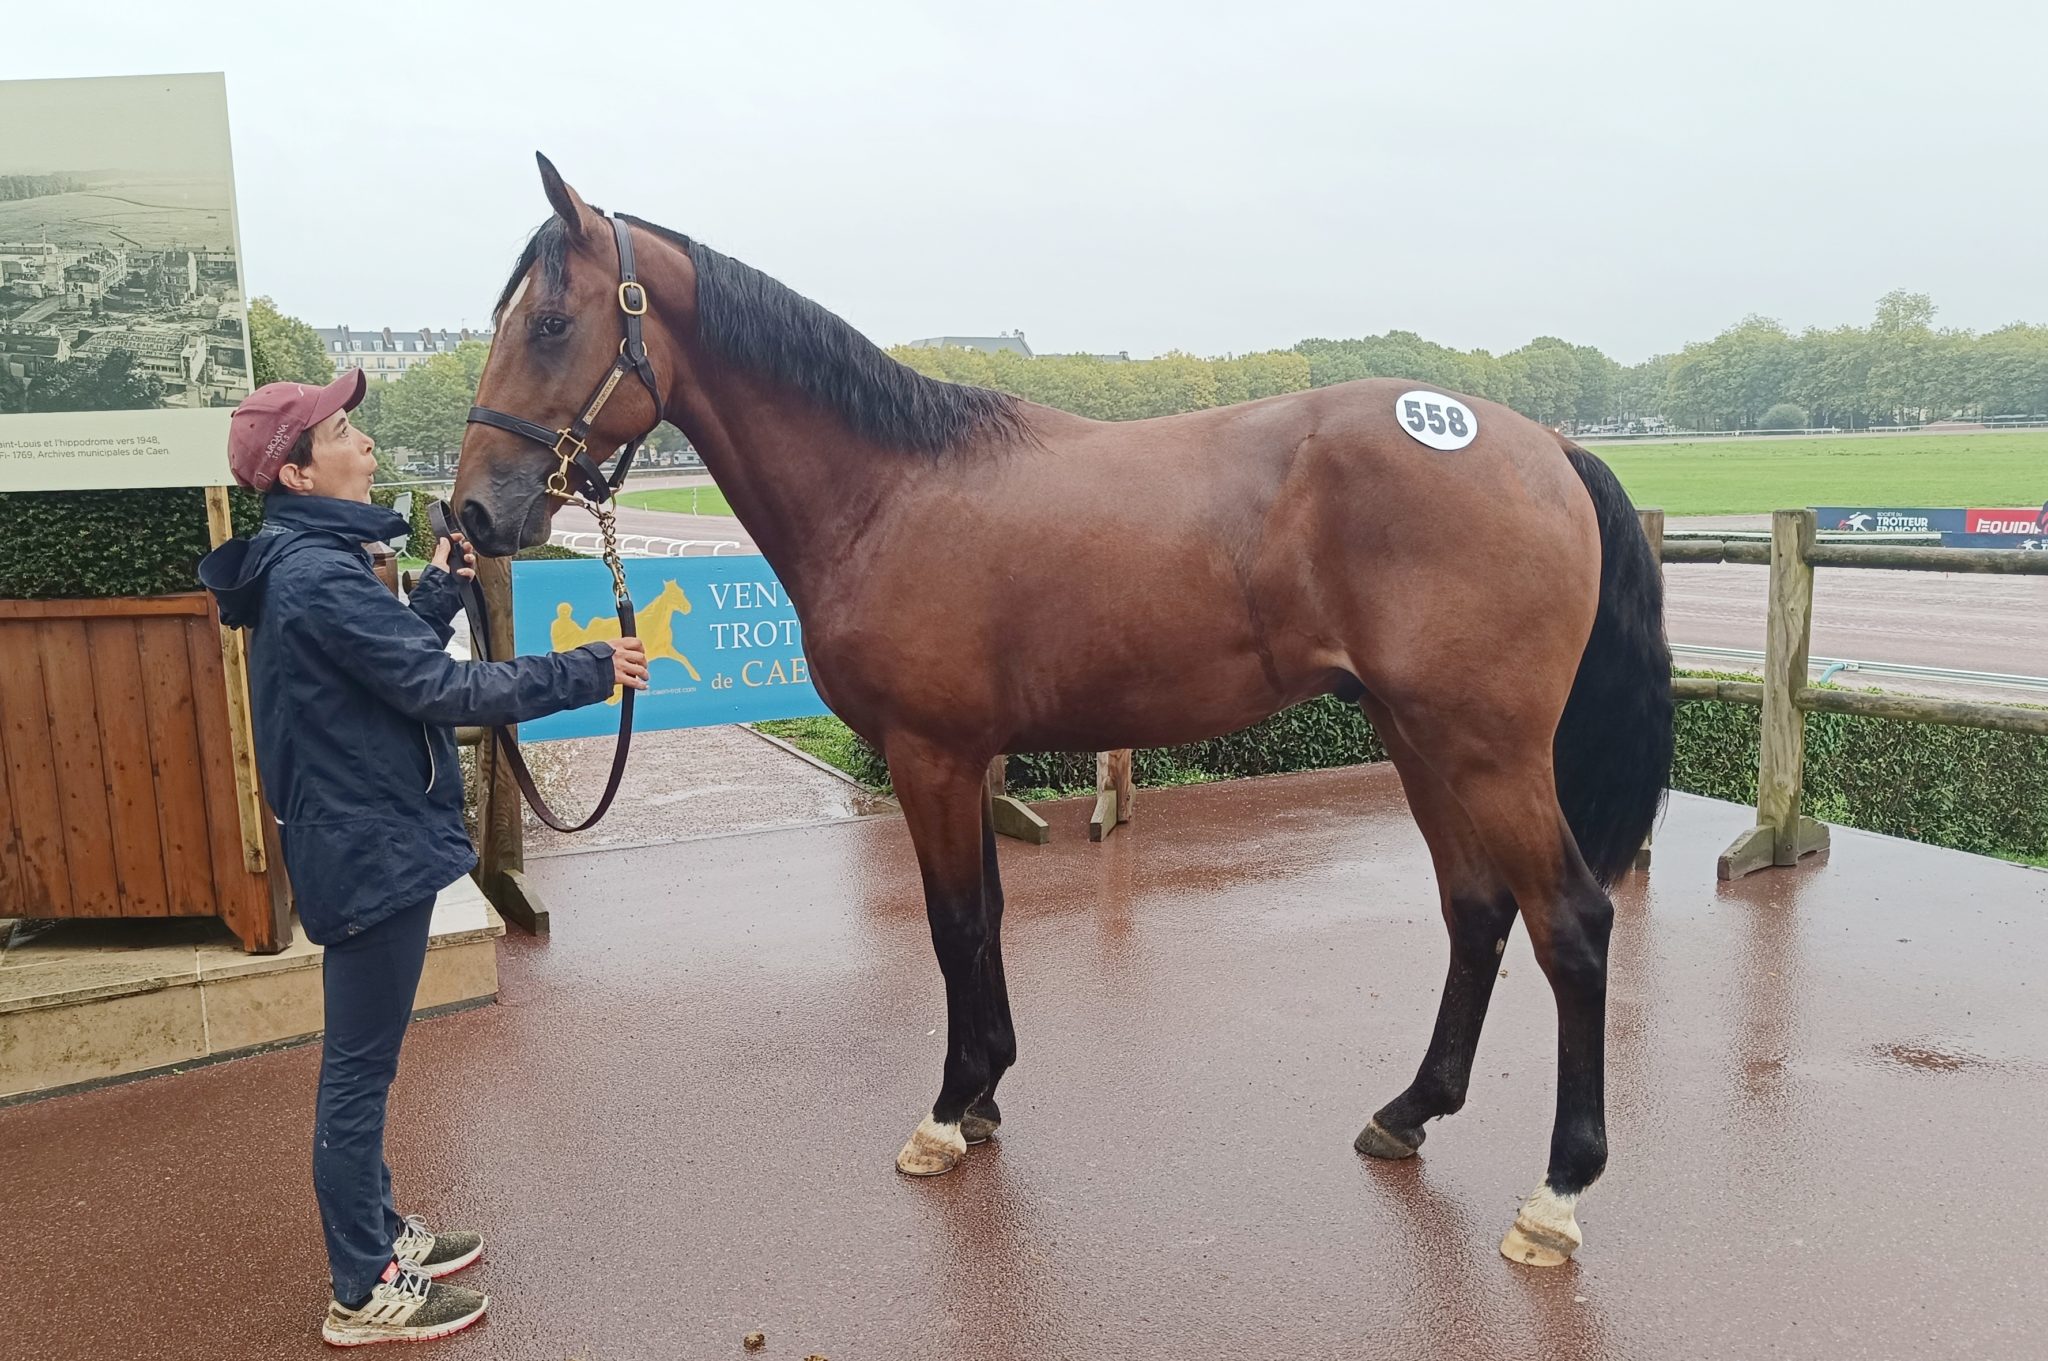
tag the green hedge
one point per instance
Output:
(96, 544)
(548, 552)
(91, 544)
(1322, 733)
(421, 545)
(1959, 787)
(57, 545)
(1311, 736)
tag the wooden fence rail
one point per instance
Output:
(1782, 835)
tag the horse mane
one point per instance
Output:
(766, 328)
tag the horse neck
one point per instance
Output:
(800, 481)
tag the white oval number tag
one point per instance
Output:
(1436, 420)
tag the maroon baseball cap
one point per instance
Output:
(270, 420)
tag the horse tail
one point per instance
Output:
(1613, 748)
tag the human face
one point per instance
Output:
(343, 465)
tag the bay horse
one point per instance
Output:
(975, 574)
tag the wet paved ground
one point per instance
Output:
(687, 782)
(1827, 1088)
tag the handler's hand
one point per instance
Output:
(441, 553)
(629, 662)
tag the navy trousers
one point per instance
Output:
(370, 980)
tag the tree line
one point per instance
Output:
(35, 186)
(1900, 369)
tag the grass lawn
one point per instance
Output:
(824, 737)
(1743, 477)
(705, 500)
(1749, 477)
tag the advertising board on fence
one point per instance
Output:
(723, 642)
(1889, 519)
(123, 318)
(2012, 520)
(2029, 542)
(2009, 520)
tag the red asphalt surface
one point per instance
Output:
(1827, 1088)
(1959, 620)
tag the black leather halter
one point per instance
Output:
(580, 479)
(579, 473)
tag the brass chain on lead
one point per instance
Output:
(609, 529)
(558, 488)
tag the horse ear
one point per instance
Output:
(568, 205)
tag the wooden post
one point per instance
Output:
(1009, 816)
(234, 659)
(500, 819)
(1653, 530)
(384, 563)
(1781, 835)
(1114, 793)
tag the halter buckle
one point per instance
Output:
(566, 438)
(627, 303)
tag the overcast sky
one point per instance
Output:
(1142, 176)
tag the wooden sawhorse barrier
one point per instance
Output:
(1115, 796)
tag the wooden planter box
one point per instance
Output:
(120, 793)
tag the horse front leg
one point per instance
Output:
(983, 1115)
(941, 793)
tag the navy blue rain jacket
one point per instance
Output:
(355, 699)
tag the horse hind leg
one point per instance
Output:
(1502, 777)
(1479, 912)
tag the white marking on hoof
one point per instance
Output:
(933, 1149)
(1546, 1232)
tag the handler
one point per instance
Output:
(355, 699)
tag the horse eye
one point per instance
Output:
(551, 326)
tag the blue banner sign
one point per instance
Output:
(2033, 542)
(723, 643)
(1891, 519)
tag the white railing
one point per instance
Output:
(648, 545)
(1958, 426)
(1830, 667)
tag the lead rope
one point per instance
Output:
(483, 648)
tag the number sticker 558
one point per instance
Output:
(1436, 420)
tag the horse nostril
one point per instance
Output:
(473, 519)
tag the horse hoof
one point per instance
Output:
(979, 1129)
(1545, 1233)
(1377, 1141)
(933, 1149)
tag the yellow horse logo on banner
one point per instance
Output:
(655, 626)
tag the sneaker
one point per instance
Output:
(436, 1254)
(405, 1307)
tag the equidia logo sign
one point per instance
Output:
(2006, 521)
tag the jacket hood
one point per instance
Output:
(235, 571)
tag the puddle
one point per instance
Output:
(1932, 1058)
